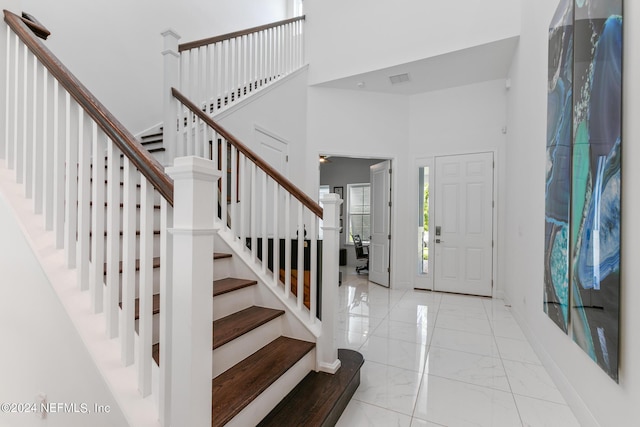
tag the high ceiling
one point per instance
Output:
(473, 65)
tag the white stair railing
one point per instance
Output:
(217, 71)
(63, 145)
(270, 219)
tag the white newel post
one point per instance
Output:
(195, 181)
(171, 79)
(327, 348)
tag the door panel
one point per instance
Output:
(463, 201)
(380, 223)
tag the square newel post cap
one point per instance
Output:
(170, 42)
(193, 168)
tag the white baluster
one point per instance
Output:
(21, 147)
(98, 221)
(208, 91)
(327, 351)
(263, 215)
(189, 130)
(35, 139)
(71, 183)
(59, 145)
(191, 357)
(21, 142)
(254, 213)
(313, 273)
(215, 77)
(12, 143)
(48, 105)
(243, 201)
(300, 261)
(145, 316)
(276, 235)
(5, 77)
(224, 167)
(84, 198)
(112, 308)
(166, 309)
(127, 321)
(287, 244)
(233, 168)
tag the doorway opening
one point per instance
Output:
(364, 184)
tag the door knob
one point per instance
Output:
(439, 241)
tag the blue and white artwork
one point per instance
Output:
(597, 141)
(558, 183)
(582, 205)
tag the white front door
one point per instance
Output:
(379, 242)
(463, 224)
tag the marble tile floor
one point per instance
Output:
(436, 359)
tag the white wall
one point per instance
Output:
(367, 125)
(114, 47)
(597, 400)
(466, 119)
(350, 37)
(41, 350)
(280, 110)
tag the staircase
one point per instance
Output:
(194, 324)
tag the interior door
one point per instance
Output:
(463, 221)
(380, 214)
(275, 152)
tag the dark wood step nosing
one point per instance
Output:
(336, 391)
(230, 284)
(221, 255)
(156, 264)
(242, 322)
(236, 388)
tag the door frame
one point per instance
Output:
(423, 161)
(394, 190)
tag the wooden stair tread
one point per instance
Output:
(221, 255)
(234, 389)
(230, 284)
(331, 394)
(156, 306)
(237, 324)
(156, 264)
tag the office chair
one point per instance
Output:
(360, 253)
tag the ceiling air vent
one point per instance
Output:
(399, 78)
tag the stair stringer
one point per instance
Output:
(295, 324)
(121, 380)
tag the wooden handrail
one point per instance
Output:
(126, 142)
(267, 168)
(35, 26)
(216, 39)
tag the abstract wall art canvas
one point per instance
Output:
(595, 225)
(558, 183)
(583, 214)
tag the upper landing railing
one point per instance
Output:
(216, 72)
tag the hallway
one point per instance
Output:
(436, 359)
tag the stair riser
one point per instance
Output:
(232, 302)
(233, 352)
(262, 405)
(222, 268)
